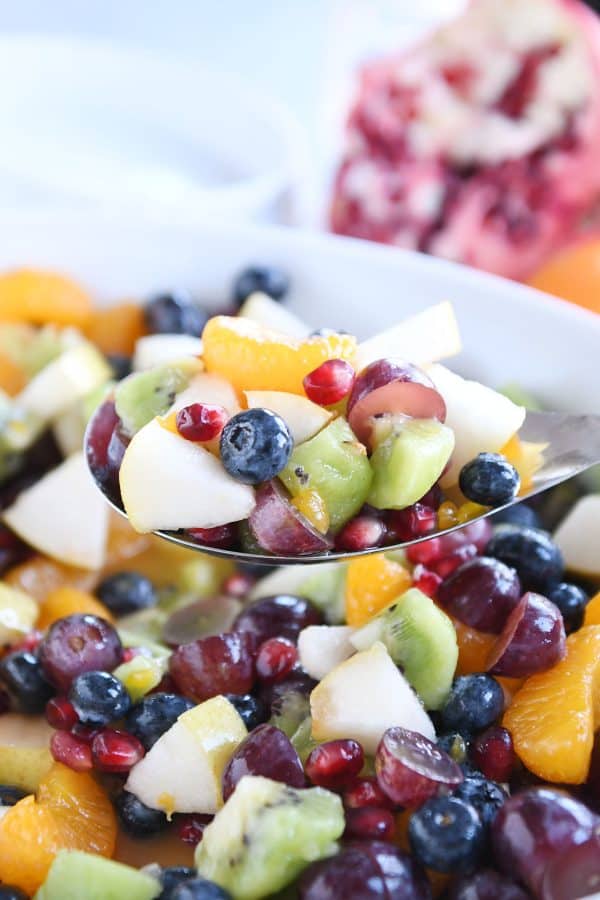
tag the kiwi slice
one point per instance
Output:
(266, 834)
(143, 395)
(75, 875)
(31, 348)
(420, 638)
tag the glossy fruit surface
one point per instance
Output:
(24, 679)
(201, 421)
(485, 885)
(251, 709)
(98, 698)
(360, 534)
(493, 753)
(370, 823)
(571, 601)
(255, 445)
(213, 665)
(489, 479)
(446, 834)
(137, 818)
(486, 796)
(70, 750)
(475, 702)
(77, 644)
(174, 313)
(329, 383)
(283, 615)
(365, 792)
(574, 873)
(481, 593)
(68, 601)
(410, 768)
(277, 526)
(372, 583)
(224, 536)
(553, 716)
(275, 659)
(531, 552)
(533, 827)
(153, 715)
(266, 751)
(209, 616)
(98, 439)
(116, 751)
(127, 592)
(335, 764)
(533, 639)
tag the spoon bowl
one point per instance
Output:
(572, 445)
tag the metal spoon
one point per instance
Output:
(572, 446)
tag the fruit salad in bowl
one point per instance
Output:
(399, 725)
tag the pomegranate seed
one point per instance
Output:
(370, 823)
(412, 522)
(130, 652)
(330, 382)
(201, 421)
(275, 659)
(361, 533)
(494, 754)
(426, 580)
(85, 733)
(427, 552)
(223, 536)
(433, 497)
(239, 584)
(165, 686)
(191, 828)
(366, 792)
(116, 751)
(71, 751)
(448, 564)
(335, 763)
(60, 714)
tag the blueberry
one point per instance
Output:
(251, 709)
(489, 479)
(255, 446)
(571, 600)
(474, 703)
(24, 679)
(154, 715)
(198, 889)
(9, 794)
(266, 279)
(99, 698)
(171, 877)
(530, 551)
(486, 796)
(174, 313)
(446, 834)
(120, 364)
(127, 592)
(454, 744)
(8, 892)
(137, 818)
(519, 514)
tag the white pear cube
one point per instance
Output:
(63, 515)
(76, 372)
(578, 537)
(18, 613)
(424, 338)
(363, 697)
(157, 349)
(263, 309)
(207, 388)
(303, 417)
(323, 647)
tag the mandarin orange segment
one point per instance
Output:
(31, 295)
(573, 275)
(373, 582)
(71, 811)
(254, 358)
(12, 377)
(39, 575)
(592, 611)
(117, 328)
(66, 601)
(526, 457)
(473, 648)
(552, 718)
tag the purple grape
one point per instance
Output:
(220, 664)
(481, 593)
(77, 644)
(575, 873)
(485, 885)
(533, 639)
(280, 616)
(533, 827)
(369, 870)
(266, 751)
(410, 768)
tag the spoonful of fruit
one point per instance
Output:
(271, 449)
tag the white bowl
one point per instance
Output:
(89, 126)
(511, 333)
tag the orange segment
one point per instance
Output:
(473, 648)
(592, 611)
(32, 295)
(71, 811)
(573, 275)
(66, 601)
(554, 715)
(526, 457)
(12, 376)
(117, 328)
(373, 583)
(253, 358)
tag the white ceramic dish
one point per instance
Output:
(511, 333)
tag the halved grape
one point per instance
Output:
(410, 768)
(280, 528)
(532, 640)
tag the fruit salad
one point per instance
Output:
(401, 725)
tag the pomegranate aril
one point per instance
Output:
(266, 751)
(239, 584)
(365, 792)
(412, 522)
(85, 733)
(223, 536)
(66, 748)
(433, 497)
(370, 823)
(201, 421)
(494, 754)
(360, 534)
(330, 382)
(221, 664)
(191, 828)
(275, 659)
(426, 581)
(446, 565)
(481, 593)
(116, 751)
(335, 764)
(411, 769)
(60, 714)
(425, 552)
(532, 640)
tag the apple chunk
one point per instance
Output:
(170, 483)
(182, 771)
(424, 338)
(158, 349)
(363, 697)
(63, 515)
(207, 388)
(263, 309)
(303, 417)
(577, 537)
(323, 647)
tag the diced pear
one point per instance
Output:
(424, 338)
(182, 771)
(157, 349)
(363, 697)
(578, 537)
(263, 309)
(25, 756)
(303, 417)
(169, 483)
(18, 613)
(207, 388)
(63, 515)
(76, 372)
(323, 647)
(482, 419)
